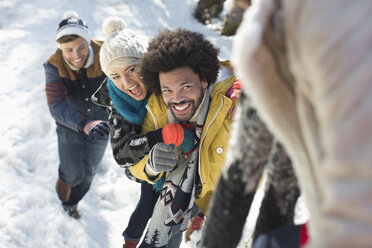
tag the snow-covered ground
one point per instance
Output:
(31, 215)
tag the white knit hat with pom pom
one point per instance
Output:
(119, 43)
(72, 24)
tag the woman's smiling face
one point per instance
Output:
(128, 80)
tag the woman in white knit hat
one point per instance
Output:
(125, 96)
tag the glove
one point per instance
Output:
(234, 94)
(96, 128)
(180, 135)
(162, 157)
(235, 90)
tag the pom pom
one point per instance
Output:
(70, 14)
(113, 24)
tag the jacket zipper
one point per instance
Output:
(202, 139)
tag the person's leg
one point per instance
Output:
(79, 158)
(70, 172)
(71, 154)
(143, 212)
(176, 236)
(92, 153)
(282, 237)
(77, 193)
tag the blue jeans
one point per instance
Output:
(143, 212)
(79, 157)
(282, 237)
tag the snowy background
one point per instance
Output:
(31, 215)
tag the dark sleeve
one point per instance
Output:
(281, 193)
(56, 93)
(250, 148)
(128, 145)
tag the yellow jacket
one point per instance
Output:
(213, 142)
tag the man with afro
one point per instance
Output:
(193, 88)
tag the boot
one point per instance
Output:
(196, 223)
(74, 213)
(71, 211)
(63, 190)
(130, 243)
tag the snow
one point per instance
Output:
(31, 215)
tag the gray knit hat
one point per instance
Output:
(119, 43)
(72, 24)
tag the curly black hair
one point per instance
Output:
(170, 50)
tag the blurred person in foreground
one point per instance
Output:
(255, 159)
(306, 66)
(73, 73)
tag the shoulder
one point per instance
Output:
(49, 67)
(225, 79)
(227, 63)
(95, 70)
(56, 58)
(96, 43)
(156, 103)
(223, 86)
(52, 70)
(156, 116)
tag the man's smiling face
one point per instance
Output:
(182, 91)
(76, 52)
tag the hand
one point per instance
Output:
(96, 128)
(234, 94)
(180, 135)
(162, 157)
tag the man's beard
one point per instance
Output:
(183, 118)
(194, 107)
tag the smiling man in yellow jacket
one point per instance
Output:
(194, 90)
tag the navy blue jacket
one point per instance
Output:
(69, 92)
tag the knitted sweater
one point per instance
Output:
(124, 134)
